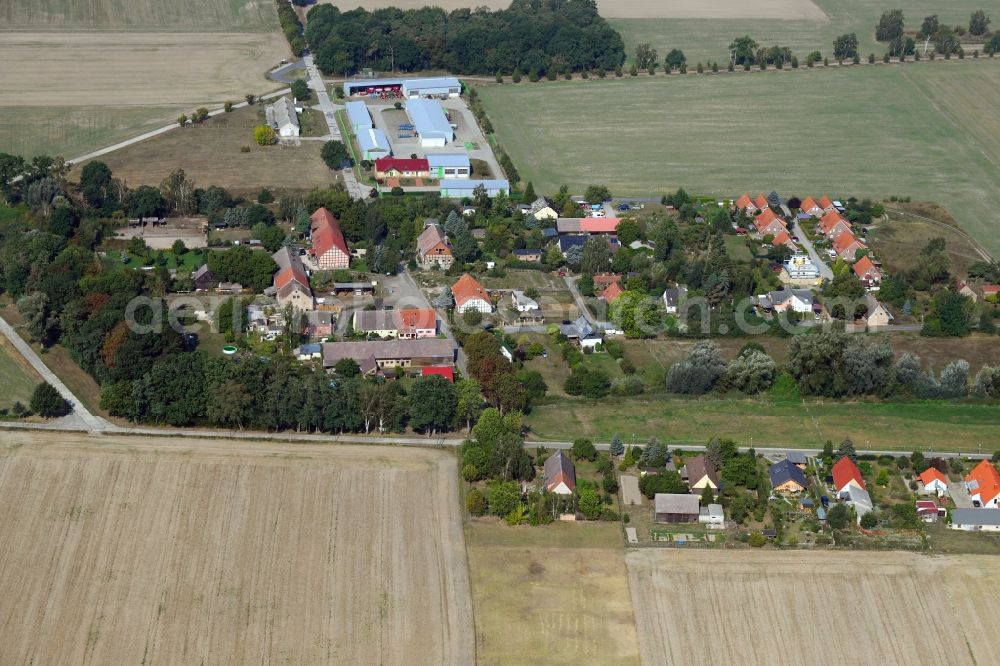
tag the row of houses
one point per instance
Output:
(406, 324)
(443, 166)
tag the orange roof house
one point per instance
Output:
(416, 323)
(745, 203)
(846, 246)
(602, 280)
(933, 481)
(845, 473)
(810, 207)
(833, 224)
(867, 271)
(983, 483)
(328, 245)
(782, 238)
(769, 223)
(599, 225)
(612, 292)
(825, 203)
(470, 295)
(761, 202)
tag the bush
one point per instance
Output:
(475, 502)
(583, 449)
(46, 401)
(264, 135)
(757, 540)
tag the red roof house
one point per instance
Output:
(867, 271)
(833, 224)
(612, 292)
(470, 295)
(328, 245)
(933, 481)
(991, 291)
(394, 167)
(445, 371)
(782, 238)
(414, 323)
(761, 202)
(745, 203)
(769, 223)
(845, 472)
(846, 246)
(825, 203)
(983, 483)
(599, 225)
(810, 207)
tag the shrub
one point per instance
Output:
(634, 71)
(46, 401)
(885, 58)
(475, 502)
(757, 540)
(264, 135)
(227, 107)
(516, 77)
(583, 449)
(871, 58)
(869, 521)
(701, 68)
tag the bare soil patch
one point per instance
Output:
(171, 551)
(711, 607)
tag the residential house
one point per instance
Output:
(859, 499)
(868, 273)
(712, 517)
(846, 246)
(701, 474)
(876, 316)
(767, 223)
(521, 302)
(976, 520)
(542, 209)
(784, 238)
(797, 458)
(434, 248)
(832, 225)
(375, 355)
(528, 256)
(787, 478)
(670, 508)
(800, 267)
(826, 204)
(991, 292)
(291, 283)
(581, 332)
(612, 292)
(204, 279)
(796, 300)
(396, 167)
(320, 323)
(673, 297)
(329, 249)
(603, 280)
(760, 203)
(587, 225)
(566, 243)
(282, 118)
(845, 474)
(470, 295)
(933, 482)
(311, 351)
(405, 324)
(747, 205)
(810, 207)
(928, 511)
(446, 371)
(560, 474)
(983, 484)
(965, 290)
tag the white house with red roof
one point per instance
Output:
(933, 482)
(470, 295)
(783, 238)
(868, 273)
(846, 246)
(810, 207)
(396, 167)
(746, 204)
(846, 473)
(983, 484)
(329, 249)
(767, 223)
(833, 224)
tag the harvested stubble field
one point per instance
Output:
(704, 33)
(750, 607)
(931, 132)
(211, 154)
(171, 551)
(146, 15)
(551, 595)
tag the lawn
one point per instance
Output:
(705, 37)
(931, 132)
(212, 154)
(678, 421)
(16, 376)
(188, 261)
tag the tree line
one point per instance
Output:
(530, 36)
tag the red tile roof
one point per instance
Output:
(829, 221)
(410, 320)
(782, 238)
(743, 202)
(612, 292)
(824, 202)
(990, 289)
(760, 202)
(808, 204)
(844, 471)
(988, 480)
(932, 474)
(765, 218)
(844, 241)
(286, 275)
(599, 225)
(441, 370)
(604, 279)
(384, 164)
(865, 266)
(467, 289)
(326, 234)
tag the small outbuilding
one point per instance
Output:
(676, 508)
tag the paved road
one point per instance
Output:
(280, 74)
(582, 304)
(80, 417)
(354, 188)
(412, 291)
(825, 271)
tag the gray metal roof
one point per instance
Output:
(357, 114)
(373, 140)
(975, 517)
(429, 119)
(431, 82)
(450, 160)
(685, 504)
(471, 184)
(282, 113)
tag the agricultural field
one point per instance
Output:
(931, 133)
(704, 30)
(140, 15)
(550, 595)
(211, 154)
(133, 550)
(17, 377)
(813, 608)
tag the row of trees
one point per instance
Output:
(529, 36)
(891, 29)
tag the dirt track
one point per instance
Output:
(753, 607)
(173, 551)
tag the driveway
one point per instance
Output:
(825, 271)
(316, 84)
(280, 74)
(959, 495)
(409, 290)
(580, 303)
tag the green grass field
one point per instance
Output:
(926, 130)
(939, 426)
(145, 15)
(707, 39)
(16, 376)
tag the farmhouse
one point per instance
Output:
(433, 248)
(976, 520)
(846, 474)
(676, 508)
(876, 315)
(868, 273)
(449, 166)
(470, 295)
(933, 482)
(430, 122)
(319, 323)
(581, 332)
(329, 249)
(291, 284)
(377, 355)
(560, 474)
(406, 324)
(395, 167)
(787, 478)
(373, 143)
(445, 86)
(983, 484)
(701, 474)
(358, 116)
(461, 189)
(282, 118)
